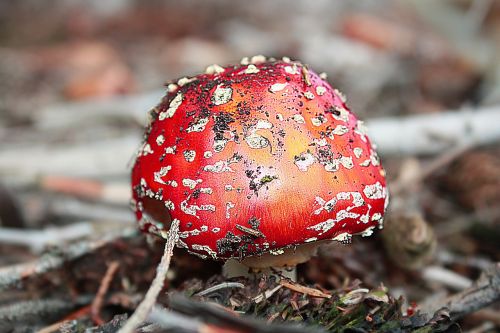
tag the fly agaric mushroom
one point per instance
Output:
(257, 162)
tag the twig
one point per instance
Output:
(95, 309)
(72, 207)
(34, 312)
(142, 311)
(66, 115)
(465, 221)
(445, 277)
(436, 133)
(65, 322)
(11, 275)
(116, 193)
(484, 327)
(37, 240)
(173, 320)
(435, 164)
(53, 327)
(304, 290)
(480, 294)
(483, 292)
(491, 315)
(250, 231)
(26, 161)
(354, 296)
(268, 293)
(219, 286)
(446, 257)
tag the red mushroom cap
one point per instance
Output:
(257, 158)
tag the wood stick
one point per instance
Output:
(38, 240)
(303, 289)
(24, 314)
(90, 189)
(70, 207)
(445, 277)
(64, 115)
(220, 286)
(435, 133)
(144, 308)
(485, 291)
(26, 162)
(174, 321)
(95, 308)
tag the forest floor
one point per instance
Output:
(77, 80)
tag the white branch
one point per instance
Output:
(418, 134)
(410, 135)
(78, 113)
(435, 133)
(38, 240)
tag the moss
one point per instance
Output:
(376, 312)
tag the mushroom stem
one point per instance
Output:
(233, 268)
(267, 263)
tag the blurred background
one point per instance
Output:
(78, 77)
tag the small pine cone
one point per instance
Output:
(475, 180)
(409, 240)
